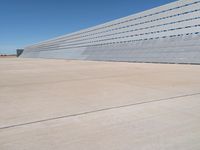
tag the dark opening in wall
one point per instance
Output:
(19, 52)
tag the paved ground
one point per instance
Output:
(72, 105)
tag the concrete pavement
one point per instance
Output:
(59, 104)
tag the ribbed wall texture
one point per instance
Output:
(166, 34)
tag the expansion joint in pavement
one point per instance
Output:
(95, 111)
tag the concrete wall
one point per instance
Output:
(169, 33)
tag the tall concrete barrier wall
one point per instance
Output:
(166, 34)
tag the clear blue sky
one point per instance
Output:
(25, 22)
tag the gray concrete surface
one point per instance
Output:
(60, 104)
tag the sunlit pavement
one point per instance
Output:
(71, 105)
